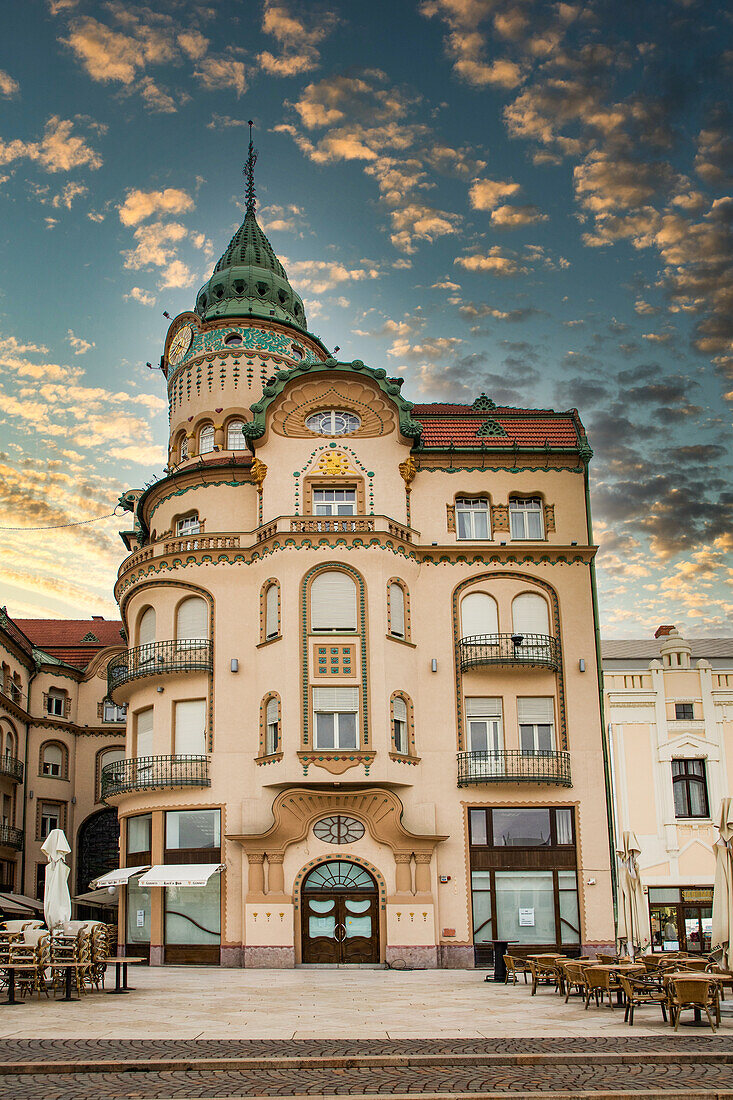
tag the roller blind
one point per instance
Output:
(539, 711)
(483, 707)
(335, 699)
(399, 709)
(192, 619)
(52, 754)
(271, 711)
(478, 615)
(529, 615)
(144, 726)
(333, 602)
(191, 727)
(146, 632)
(397, 610)
(271, 611)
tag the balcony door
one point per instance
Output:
(485, 736)
(340, 915)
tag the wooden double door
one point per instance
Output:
(340, 928)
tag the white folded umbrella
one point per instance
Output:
(723, 892)
(56, 897)
(633, 915)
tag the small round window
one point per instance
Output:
(338, 829)
(233, 340)
(333, 422)
(296, 352)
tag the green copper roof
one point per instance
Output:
(250, 281)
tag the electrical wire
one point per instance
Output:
(56, 526)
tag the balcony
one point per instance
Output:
(12, 767)
(514, 766)
(157, 658)
(510, 651)
(148, 773)
(11, 838)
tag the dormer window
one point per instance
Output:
(333, 422)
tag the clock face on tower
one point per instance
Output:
(180, 344)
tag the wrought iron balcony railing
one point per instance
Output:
(142, 773)
(514, 766)
(11, 838)
(155, 658)
(518, 650)
(11, 766)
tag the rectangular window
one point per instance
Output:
(684, 711)
(690, 788)
(138, 913)
(272, 733)
(193, 913)
(521, 829)
(481, 898)
(192, 829)
(50, 818)
(399, 724)
(477, 826)
(335, 714)
(112, 713)
(7, 875)
(525, 906)
(144, 732)
(536, 725)
(525, 518)
(484, 724)
(190, 727)
(396, 611)
(55, 703)
(188, 525)
(272, 626)
(334, 502)
(138, 834)
(472, 518)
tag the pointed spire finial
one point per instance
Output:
(249, 174)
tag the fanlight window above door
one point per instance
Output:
(339, 875)
(339, 829)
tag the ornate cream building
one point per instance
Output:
(670, 713)
(362, 678)
(58, 730)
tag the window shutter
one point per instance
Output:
(336, 699)
(52, 754)
(271, 711)
(529, 615)
(478, 615)
(146, 633)
(271, 597)
(145, 732)
(191, 619)
(539, 711)
(397, 610)
(399, 709)
(483, 708)
(191, 727)
(333, 602)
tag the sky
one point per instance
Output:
(516, 197)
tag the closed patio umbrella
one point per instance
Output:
(723, 892)
(633, 915)
(56, 897)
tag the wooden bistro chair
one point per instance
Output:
(515, 966)
(638, 992)
(32, 949)
(573, 978)
(544, 972)
(694, 993)
(598, 983)
(607, 960)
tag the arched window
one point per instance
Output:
(58, 704)
(192, 620)
(146, 627)
(107, 756)
(235, 436)
(525, 518)
(183, 449)
(11, 743)
(189, 525)
(472, 518)
(403, 724)
(530, 615)
(333, 602)
(272, 611)
(479, 615)
(206, 439)
(272, 727)
(53, 760)
(397, 617)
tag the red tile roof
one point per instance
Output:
(64, 638)
(445, 424)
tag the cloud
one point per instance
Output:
(224, 122)
(297, 41)
(487, 194)
(79, 346)
(176, 274)
(471, 312)
(59, 150)
(8, 86)
(516, 217)
(154, 245)
(144, 297)
(214, 73)
(139, 205)
(319, 276)
(283, 219)
(493, 263)
(113, 56)
(193, 44)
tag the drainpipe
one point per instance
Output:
(31, 678)
(585, 454)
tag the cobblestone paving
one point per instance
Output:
(676, 1078)
(82, 1050)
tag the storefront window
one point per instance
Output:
(567, 882)
(138, 834)
(525, 906)
(681, 918)
(138, 913)
(192, 913)
(192, 829)
(482, 923)
(521, 828)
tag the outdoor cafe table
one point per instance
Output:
(121, 963)
(617, 968)
(66, 966)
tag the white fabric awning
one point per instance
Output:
(181, 874)
(119, 877)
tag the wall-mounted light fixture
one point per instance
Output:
(234, 665)
(581, 664)
(160, 690)
(434, 664)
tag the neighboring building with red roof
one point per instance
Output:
(57, 730)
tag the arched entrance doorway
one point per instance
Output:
(340, 915)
